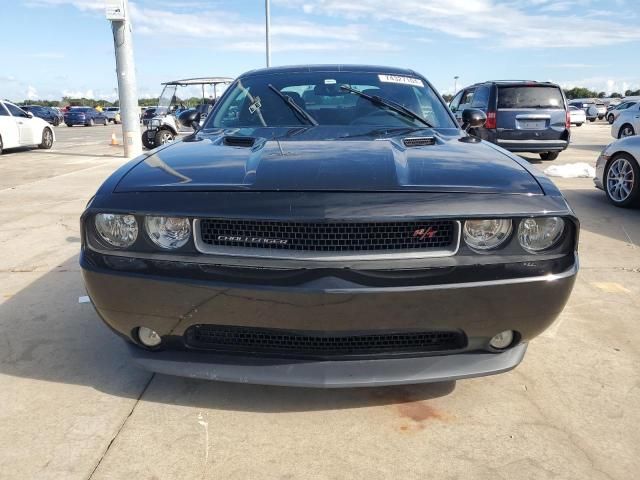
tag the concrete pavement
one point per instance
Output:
(74, 407)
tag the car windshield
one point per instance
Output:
(254, 101)
(530, 97)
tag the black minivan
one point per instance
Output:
(522, 115)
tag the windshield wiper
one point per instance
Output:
(294, 106)
(390, 104)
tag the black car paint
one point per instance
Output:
(296, 174)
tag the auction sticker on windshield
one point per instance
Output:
(402, 80)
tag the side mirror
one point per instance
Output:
(190, 118)
(29, 114)
(472, 118)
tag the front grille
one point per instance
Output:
(306, 343)
(329, 237)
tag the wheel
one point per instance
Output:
(47, 139)
(626, 131)
(146, 142)
(56, 121)
(578, 124)
(164, 136)
(68, 125)
(592, 120)
(91, 123)
(549, 155)
(106, 122)
(0, 145)
(622, 181)
(610, 119)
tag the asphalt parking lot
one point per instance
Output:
(74, 407)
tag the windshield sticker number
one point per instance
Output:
(416, 82)
(330, 81)
(255, 105)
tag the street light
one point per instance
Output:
(267, 18)
(455, 84)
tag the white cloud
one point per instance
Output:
(508, 25)
(32, 93)
(47, 55)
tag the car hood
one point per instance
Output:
(315, 159)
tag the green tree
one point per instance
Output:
(616, 95)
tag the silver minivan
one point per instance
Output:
(522, 115)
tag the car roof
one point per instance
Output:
(200, 80)
(533, 83)
(328, 68)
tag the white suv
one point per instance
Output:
(21, 129)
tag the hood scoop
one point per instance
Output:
(418, 141)
(237, 141)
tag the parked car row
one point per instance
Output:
(86, 116)
(52, 115)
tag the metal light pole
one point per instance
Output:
(267, 15)
(455, 84)
(117, 11)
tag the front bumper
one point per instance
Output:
(170, 305)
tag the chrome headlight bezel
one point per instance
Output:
(555, 230)
(167, 232)
(116, 230)
(498, 233)
(155, 123)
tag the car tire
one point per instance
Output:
(56, 121)
(578, 124)
(68, 125)
(106, 122)
(592, 120)
(1, 145)
(549, 155)
(164, 136)
(91, 123)
(623, 169)
(146, 142)
(47, 139)
(626, 130)
(610, 119)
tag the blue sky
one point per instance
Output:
(52, 48)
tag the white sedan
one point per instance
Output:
(578, 117)
(618, 172)
(628, 123)
(21, 129)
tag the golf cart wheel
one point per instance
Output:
(146, 142)
(549, 155)
(164, 136)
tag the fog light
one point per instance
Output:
(148, 337)
(502, 340)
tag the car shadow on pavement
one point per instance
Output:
(47, 335)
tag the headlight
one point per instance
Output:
(117, 230)
(155, 122)
(487, 233)
(537, 234)
(168, 232)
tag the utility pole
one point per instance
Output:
(455, 84)
(117, 11)
(267, 15)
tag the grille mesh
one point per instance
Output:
(286, 342)
(328, 237)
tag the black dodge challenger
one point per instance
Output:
(329, 226)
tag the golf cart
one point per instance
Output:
(179, 111)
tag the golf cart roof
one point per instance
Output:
(200, 81)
